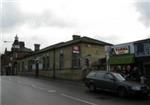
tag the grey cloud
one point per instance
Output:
(144, 9)
(114, 39)
(12, 18)
(47, 18)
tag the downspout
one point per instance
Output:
(54, 69)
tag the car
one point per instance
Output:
(114, 82)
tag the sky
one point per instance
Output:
(48, 22)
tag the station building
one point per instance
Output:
(65, 60)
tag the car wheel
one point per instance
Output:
(92, 88)
(122, 92)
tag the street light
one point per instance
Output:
(7, 41)
(107, 50)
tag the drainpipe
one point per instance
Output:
(54, 69)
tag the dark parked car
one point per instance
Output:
(114, 82)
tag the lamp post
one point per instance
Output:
(107, 50)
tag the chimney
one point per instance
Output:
(75, 37)
(36, 47)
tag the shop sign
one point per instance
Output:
(76, 49)
(121, 50)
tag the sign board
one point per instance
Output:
(76, 49)
(121, 50)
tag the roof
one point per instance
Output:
(67, 43)
(143, 40)
(25, 50)
(79, 40)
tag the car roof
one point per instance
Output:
(102, 71)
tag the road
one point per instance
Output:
(17, 90)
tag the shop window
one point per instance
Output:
(147, 49)
(140, 49)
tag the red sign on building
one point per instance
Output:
(76, 49)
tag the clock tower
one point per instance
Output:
(16, 45)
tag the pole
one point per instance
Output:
(107, 62)
(107, 49)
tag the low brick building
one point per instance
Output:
(65, 60)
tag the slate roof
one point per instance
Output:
(79, 40)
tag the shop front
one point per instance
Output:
(144, 64)
(122, 57)
(142, 55)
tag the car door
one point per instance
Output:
(99, 80)
(109, 82)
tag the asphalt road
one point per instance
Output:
(16, 90)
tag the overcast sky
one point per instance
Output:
(52, 21)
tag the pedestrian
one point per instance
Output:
(118, 69)
(128, 72)
(123, 71)
(135, 74)
(142, 79)
(114, 69)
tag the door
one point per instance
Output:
(109, 82)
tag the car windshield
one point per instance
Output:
(119, 77)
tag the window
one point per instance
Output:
(108, 76)
(92, 74)
(46, 62)
(75, 60)
(147, 49)
(61, 61)
(76, 57)
(100, 75)
(140, 48)
(30, 65)
(22, 66)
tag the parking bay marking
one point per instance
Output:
(78, 99)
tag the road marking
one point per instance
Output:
(78, 99)
(51, 91)
(40, 88)
(33, 86)
(9, 78)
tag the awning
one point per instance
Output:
(122, 59)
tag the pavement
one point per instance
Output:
(18, 90)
